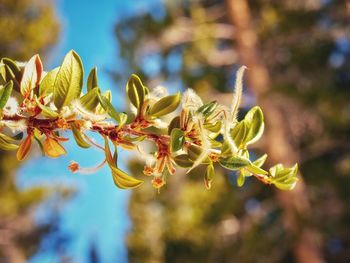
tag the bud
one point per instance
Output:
(73, 166)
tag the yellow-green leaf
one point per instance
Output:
(78, 136)
(177, 139)
(46, 85)
(234, 162)
(92, 79)
(69, 80)
(165, 105)
(13, 67)
(108, 107)
(90, 100)
(255, 123)
(46, 111)
(108, 96)
(209, 175)
(282, 177)
(5, 94)
(136, 91)
(239, 133)
(7, 143)
(120, 178)
(207, 109)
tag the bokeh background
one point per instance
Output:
(298, 55)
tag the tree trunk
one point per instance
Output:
(295, 203)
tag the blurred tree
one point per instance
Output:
(26, 27)
(305, 47)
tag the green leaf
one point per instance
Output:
(215, 143)
(91, 99)
(255, 169)
(240, 179)
(216, 127)
(78, 136)
(120, 178)
(5, 94)
(6, 75)
(7, 143)
(175, 123)
(165, 105)
(194, 152)
(46, 85)
(183, 160)
(108, 96)
(209, 175)
(69, 80)
(108, 107)
(136, 91)
(13, 67)
(207, 109)
(46, 111)
(260, 161)
(234, 162)
(239, 133)
(283, 178)
(255, 122)
(177, 139)
(92, 81)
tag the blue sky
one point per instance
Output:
(99, 212)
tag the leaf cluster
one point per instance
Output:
(38, 106)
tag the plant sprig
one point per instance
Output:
(38, 105)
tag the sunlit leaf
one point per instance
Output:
(78, 136)
(209, 175)
(108, 96)
(92, 81)
(240, 179)
(46, 85)
(194, 152)
(13, 67)
(208, 109)
(111, 111)
(282, 177)
(234, 162)
(53, 148)
(120, 178)
(255, 122)
(177, 139)
(136, 91)
(24, 148)
(216, 127)
(7, 143)
(165, 105)
(5, 94)
(239, 133)
(46, 111)
(31, 75)
(91, 99)
(69, 80)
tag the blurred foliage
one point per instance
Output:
(26, 27)
(306, 48)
